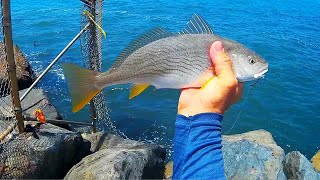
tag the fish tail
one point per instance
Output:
(82, 85)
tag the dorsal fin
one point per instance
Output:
(144, 39)
(197, 25)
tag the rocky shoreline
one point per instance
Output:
(25, 74)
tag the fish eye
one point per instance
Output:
(252, 61)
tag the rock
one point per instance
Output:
(25, 74)
(316, 161)
(82, 129)
(101, 140)
(46, 152)
(7, 130)
(37, 98)
(168, 171)
(118, 158)
(252, 155)
(297, 166)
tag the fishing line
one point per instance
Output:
(242, 106)
(254, 83)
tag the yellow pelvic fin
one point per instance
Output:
(81, 84)
(205, 84)
(90, 16)
(137, 89)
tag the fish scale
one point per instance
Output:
(173, 57)
(164, 60)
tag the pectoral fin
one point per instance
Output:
(205, 84)
(137, 89)
(202, 80)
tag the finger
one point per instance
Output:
(238, 93)
(222, 64)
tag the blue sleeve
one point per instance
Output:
(197, 147)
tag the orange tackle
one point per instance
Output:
(40, 116)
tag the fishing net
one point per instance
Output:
(7, 117)
(91, 50)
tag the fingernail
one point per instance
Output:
(218, 46)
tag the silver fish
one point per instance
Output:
(164, 60)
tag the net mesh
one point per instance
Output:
(7, 117)
(91, 50)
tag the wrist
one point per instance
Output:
(191, 111)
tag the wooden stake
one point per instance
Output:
(7, 33)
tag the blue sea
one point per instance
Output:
(285, 33)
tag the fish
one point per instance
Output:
(164, 60)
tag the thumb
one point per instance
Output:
(222, 64)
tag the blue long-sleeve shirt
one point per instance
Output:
(197, 147)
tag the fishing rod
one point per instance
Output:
(55, 121)
(12, 126)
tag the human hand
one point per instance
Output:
(220, 92)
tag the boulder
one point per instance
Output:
(46, 151)
(118, 158)
(37, 98)
(297, 166)
(168, 171)
(316, 161)
(101, 140)
(252, 155)
(25, 74)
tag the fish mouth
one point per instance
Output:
(260, 74)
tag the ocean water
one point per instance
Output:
(286, 34)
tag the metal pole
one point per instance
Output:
(93, 58)
(54, 61)
(7, 33)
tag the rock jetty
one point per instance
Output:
(45, 152)
(25, 74)
(37, 98)
(255, 155)
(118, 158)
